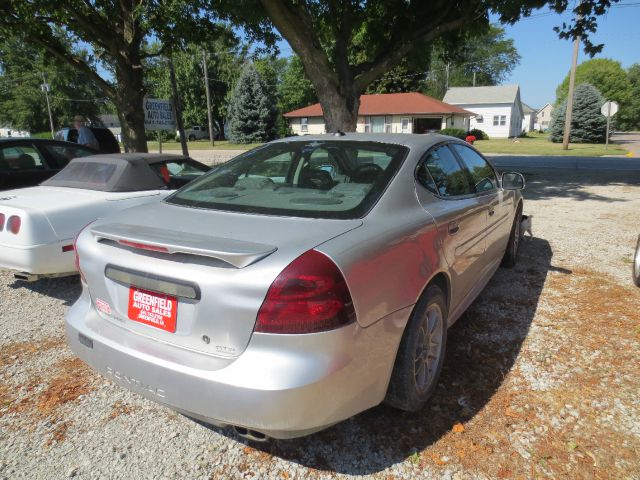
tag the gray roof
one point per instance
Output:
(118, 172)
(478, 95)
(527, 109)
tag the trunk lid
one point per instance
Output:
(219, 265)
(58, 213)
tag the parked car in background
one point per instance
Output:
(198, 133)
(298, 284)
(39, 224)
(28, 161)
(106, 140)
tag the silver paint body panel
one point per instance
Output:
(282, 385)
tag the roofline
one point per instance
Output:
(465, 113)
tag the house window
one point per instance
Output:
(499, 120)
(304, 124)
(479, 119)
(379, 124)
(404, 125)
(367, 124)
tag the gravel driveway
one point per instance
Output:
(541, 377)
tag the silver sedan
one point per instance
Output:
(299, 284)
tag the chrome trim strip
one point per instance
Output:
(151, 282)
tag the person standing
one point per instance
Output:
(85, 135)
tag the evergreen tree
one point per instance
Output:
(252, 114)
(588, 125)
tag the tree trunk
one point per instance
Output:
(340, 110)
(130, 106)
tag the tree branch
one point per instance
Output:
(393, 57)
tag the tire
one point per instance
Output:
(192, 138)
(409, 389)
(636, 265)
(513, 247)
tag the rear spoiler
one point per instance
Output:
(238, 253)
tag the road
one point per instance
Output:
(618, 164)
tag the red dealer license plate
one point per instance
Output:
(155, 309)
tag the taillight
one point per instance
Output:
(143, 246)
(13, 224)
(2, 218)
(310, 295)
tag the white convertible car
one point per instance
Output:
(38, 225)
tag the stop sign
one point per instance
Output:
(609, 109)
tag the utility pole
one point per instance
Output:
(446, 81)
(45, 88)
(206, 87)
(474, 78)
(177, 108)
(572, 82)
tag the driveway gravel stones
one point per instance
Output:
(541, 377)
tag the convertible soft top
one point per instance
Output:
(118, 172)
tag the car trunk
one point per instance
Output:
(217, 266)
(51, 214)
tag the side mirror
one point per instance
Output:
(512, 181)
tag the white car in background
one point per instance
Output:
(38, 225)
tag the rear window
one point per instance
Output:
(89, 173)
(323, 179)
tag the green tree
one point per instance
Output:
(117, 34)
(225, 57)
(252, 112)
(488, 57)
(346, 45)
(605, 74)
(588, 125)
(629, 116)
(295, 89)
(22, 101)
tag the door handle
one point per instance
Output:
(491, 211)
(454, 228)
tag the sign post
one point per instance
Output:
(159, 115)
(608, 109)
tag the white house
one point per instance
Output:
(7, 131)
(388, 112)
(543, 117)
(497, 110)
(529, 120)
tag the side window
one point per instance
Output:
(63, 154)
(276, 168)
(19, 158)
(484, 178)
(176, 174)
(441, 173)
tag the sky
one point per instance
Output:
(546, 59)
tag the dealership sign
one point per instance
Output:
(158, 114)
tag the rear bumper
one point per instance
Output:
(282, 385)
(38, 259)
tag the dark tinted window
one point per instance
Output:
(20, 158)
(62, 154)
(442, 174)
(483, 176)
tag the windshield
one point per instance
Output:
(324, 179)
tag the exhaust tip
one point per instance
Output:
(251, 434)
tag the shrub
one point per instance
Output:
(479, 134)
(454, 132)
(588, 125)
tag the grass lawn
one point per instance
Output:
(538, 144)
(202, 145)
